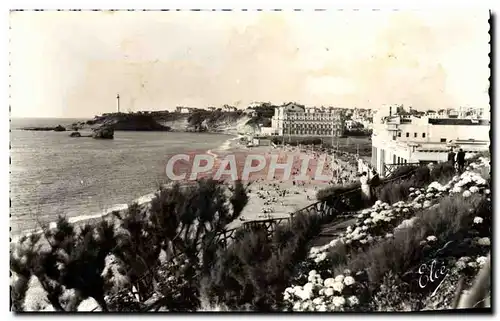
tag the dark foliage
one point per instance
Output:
(254, 271)
(182, 222)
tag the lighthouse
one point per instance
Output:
(118, 102)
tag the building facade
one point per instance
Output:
(399, 140)
(296, 120)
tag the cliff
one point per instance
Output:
(123, 122)
(202, 121)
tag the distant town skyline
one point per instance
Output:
(73, 64)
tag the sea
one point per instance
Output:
(52, 174)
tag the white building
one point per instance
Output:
(228, 108)
(268, 131)
(397, 140)
(296, 120)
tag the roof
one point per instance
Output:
(459, 122)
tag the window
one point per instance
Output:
(415, 135)
(423, 135)
(443, 140)
(399, 134)
(407, 134)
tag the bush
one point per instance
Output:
(450, 221)
(442, 172)
(181, 222)
(393, 192)
(253, 272)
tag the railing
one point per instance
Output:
(326, 210)
(390, 168)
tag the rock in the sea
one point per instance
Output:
(59, 128)
(75, 134)
(103, 132)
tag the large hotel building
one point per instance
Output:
(295, 120)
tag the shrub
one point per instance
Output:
(254, 270)
(393, 192)
(71, 260)
(395, 295)
(448, 222)
(182, 222)
(442, 172)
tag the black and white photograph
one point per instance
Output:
(272, 161)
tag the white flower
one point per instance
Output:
(472, 265)
(429, 195)
(405, 210)
(481, 260)
(367, 221)
(360, 216)
(431, 238)
(378, 203)
(320, 258)
(329, 292)
(318, 301)
(338, 286)
(353, 300)
(487, 191)
(321, 308)
(423, 242)
(339, 278)
(333, 243)
(308, 286)
(411, 189)
(466, 194)
(349, 280)
(286, 297)
(349, 229)
(297, 306)
(460, 265)
(347, 272)
(389, 235)
(474, 189)
(313, 273)
(364, 227)
(478, 220)
(329, 282)
(417, 206)
(427, 203)
(464, 259)
(314, 250)
(485, 241)
(338, 301)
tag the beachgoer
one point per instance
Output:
(461, 160)
(365, 187)
(451, 157)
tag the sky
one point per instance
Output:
(72, 64)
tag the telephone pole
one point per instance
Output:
(118, 102)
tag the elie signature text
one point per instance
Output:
(431, 274)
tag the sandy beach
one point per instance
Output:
(280, 196)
